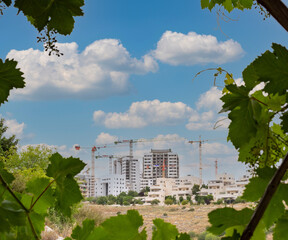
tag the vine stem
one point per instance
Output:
(13, 195)
(265, 200)
(278, 10)
(22, 206)
(41, 194)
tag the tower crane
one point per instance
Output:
(92, 171)
(132, 141)
(200, 155)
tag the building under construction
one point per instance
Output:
(159, 164)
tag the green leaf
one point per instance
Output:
(123, 227)
(164, 230)
(183, 236)
(8, 177)
(11, 215)
(245, 112)
(60, 167)
(271, 68)
(37, 187)
(246, 3)
(204, 4)
(10, 77)
(280, 231)
(84, 232)
(224, 218)
(228, 6)
(67, 190)
(56, 15)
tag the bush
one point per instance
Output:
(125, 203)
(184, 202)
(191, 210)
(155, 202)
(165, 214)
(168, 201)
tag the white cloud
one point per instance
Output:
(210, 99)
(181, 49)
(105, 138)
(141, 114)
(101, 70)
(14, 128)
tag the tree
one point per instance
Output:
(7, 145)
(29, 158)
(195, 189)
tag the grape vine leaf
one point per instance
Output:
(124, 227)
(183, 236)
(10, 77)
(164, 230)
(11, 215)
(271, 68)
(229, 5)
(83, 233)
(56, 15)
(7, 176)
(225, 218)
(244, 111)
(37, 188)
(121, 227)
(67, 190)
(280, 231)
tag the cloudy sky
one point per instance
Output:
(127, 73)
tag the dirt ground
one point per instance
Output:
(185, 218)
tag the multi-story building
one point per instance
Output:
(159, 163)
(110, 185)
(85, 185)
(176, 187)
(225, 187)
(131, 171)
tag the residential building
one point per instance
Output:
(85, 185)
(177, 187)
(225, 187)
(110, 185)
(159, 163)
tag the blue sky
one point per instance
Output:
(127, 73)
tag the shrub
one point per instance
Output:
(168, 201)
(155, 202)
(184, 202)
(125, 203)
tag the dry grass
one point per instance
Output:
(184, 219)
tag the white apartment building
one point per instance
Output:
(159, 163)
(110, 185)
(130, 168)
(131, 171)
(225, 187)
(178, 187)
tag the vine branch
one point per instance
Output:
(41, 194)
(265, 200)
(278, 10)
